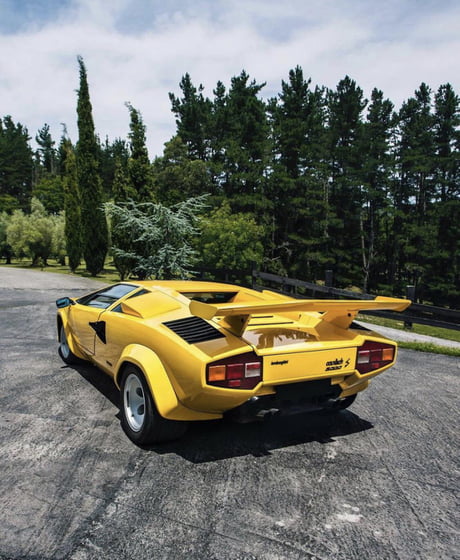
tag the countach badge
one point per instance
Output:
(337, 364)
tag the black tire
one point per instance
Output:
(139, 416)
(64, 351)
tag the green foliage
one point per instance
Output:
(46, 151)
(139, 167)
(153, 240)
(345, 132)
(37, 235)
(376, 180)
(122, 189)
(93, 221)
(193, 114)
(431, 348)
(72, 203)
(50, 193)
(177, 176)
(332, 180)
(6, 250)
(111, 154)
(298, 185)
(228, 240)
(15, 166)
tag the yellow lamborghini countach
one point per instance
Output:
(185, 350)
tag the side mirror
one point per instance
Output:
(64, 302)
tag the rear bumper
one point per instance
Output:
(289, 399)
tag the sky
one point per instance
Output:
(137, 51)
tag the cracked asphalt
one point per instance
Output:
(379, 481)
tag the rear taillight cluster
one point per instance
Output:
(374, 355)
(238, 372)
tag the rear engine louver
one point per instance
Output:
(194, 329)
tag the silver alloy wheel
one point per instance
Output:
(64, 346)
(134, 402)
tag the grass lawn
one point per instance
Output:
(109, 274)
(448, 334)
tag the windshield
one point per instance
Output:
(108, 295)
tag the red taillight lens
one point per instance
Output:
(374, 355)
(238, 372)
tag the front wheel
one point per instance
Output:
(64, 350)
(139, 416)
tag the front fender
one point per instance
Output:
(62, 319)
(159, 384)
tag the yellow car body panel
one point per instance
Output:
(160, 386)
(175, 331)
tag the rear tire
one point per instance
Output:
(140, 418)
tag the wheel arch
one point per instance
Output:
(159, 383)
(61, 322)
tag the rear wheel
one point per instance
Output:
(139, 416)
(64, 350)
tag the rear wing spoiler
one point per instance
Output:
(236, 316)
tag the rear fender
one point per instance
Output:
(160, 386)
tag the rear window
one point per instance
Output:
(210, 297)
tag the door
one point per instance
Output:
(84, 324)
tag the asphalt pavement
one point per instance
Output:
(379, 481)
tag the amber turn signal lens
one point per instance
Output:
(387, 354)
(216, 373)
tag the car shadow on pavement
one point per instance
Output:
(223, 439)
(99, 380)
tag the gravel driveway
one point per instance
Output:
(379, 481)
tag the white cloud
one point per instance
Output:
(138, 51)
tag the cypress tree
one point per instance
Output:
(94, 224)
(72, 206)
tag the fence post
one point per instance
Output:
(253, 273)
(410, 294)
(329, 279)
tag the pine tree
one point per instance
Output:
(444, 277)
(192, 113)
(139, 167)
(177, 176)
(72, 206)
(46, 149)
(345, 106)
(94, 224)
(16, 165)
(246, 146)
(375, 214)
(111, 153)
(414, 235)
(299, 180)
